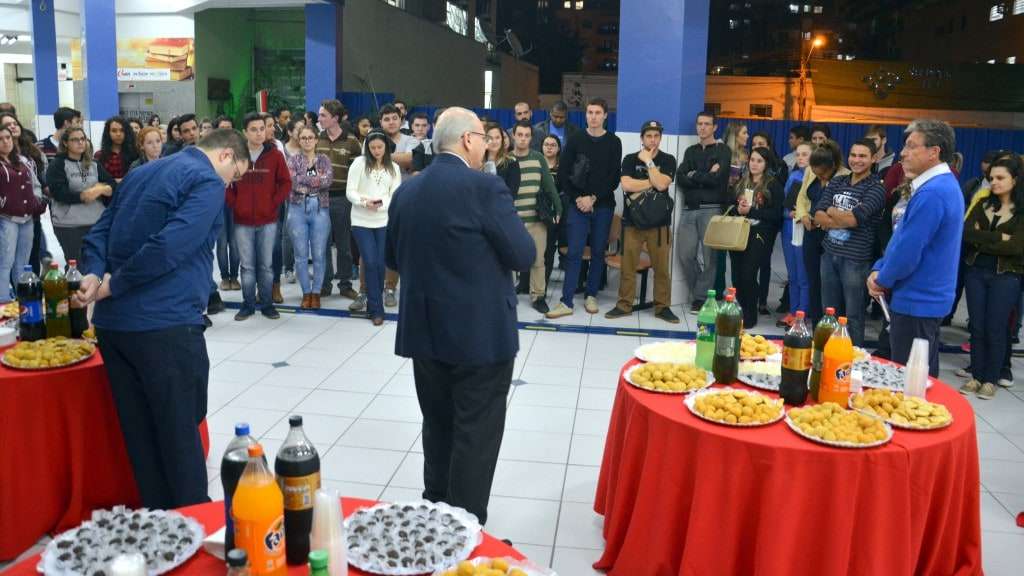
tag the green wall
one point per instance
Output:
(225, 43)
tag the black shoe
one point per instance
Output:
(207, 322)
(243, 314)
(522, 289)
(541, 305)
(617, 313)
(763, 310)
(667, 315)
(325, 290)
(696, 306)
(347, 293)
(948, 320)
(270, 312)
(214, 305)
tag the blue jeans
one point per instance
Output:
(579, 226)
(371, 254)
(15, 247)
(227, 248)
(799, 289)
(308, 228)
(255, 251)
(990, 299)
(844, 286)
(283, 256)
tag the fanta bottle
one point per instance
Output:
(258, 510)
(837, 366)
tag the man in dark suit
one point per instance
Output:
(557, 124)
(454, 237)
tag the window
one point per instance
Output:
(819, 9)
(397, 3)
(733, 24)
(488, 87)
(761, 110)
(794, 8)
(456, 18)
(996, 12)
(807, 8)
(1018, 7)
(567, 4)
(992, 61)
(579, 4)
(713, 107)
(1011, 59)
(478, 33)
(807, 35)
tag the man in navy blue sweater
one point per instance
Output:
(919, 268)
(148, 263)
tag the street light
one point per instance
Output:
(818, 42)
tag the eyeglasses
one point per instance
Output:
(487, 139)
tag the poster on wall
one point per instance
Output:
(140, 59)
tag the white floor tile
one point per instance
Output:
(581, 484)
(317, 358)
(996, 447)
(541, 395)
(400, 385)
(600, 378)
(586, 450)
(374, 362)
(218, 444)
(322, 430)
(410, 473)
(995, 516)
(219, 350)
(397, 408)
(592, 422)
(530, 446)
(363, 465)
(380, 434)
(596, 399)
(278, 397)
(534, 373)
(579, 527)
(575, 561)
(539, 419)
(356, 381)
(355, 489)
(334, 403)
(522, 521)
(1003, 553)
(269, 350)
(218, 393)
(296, 376)
(539, 555)
(1010, 422)
(528, 480)
(215, 490)
(239, 372)
(1002, 476)
(224, 420)
(396, 494)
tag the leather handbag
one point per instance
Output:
(726, 232)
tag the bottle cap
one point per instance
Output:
(318, 559)
(237, 558)
(295, 421)
(26, 268)
(800, 314)
(830, 311)
(729, 297)
(842, 320)
(242, 429)
(730, 290)
(255, 451)
(711, 294)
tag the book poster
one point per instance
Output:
(146, 59)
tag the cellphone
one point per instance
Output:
(377, 202)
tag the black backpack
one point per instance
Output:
(650, 209)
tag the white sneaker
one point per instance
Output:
(559, 311)
(590, 305)
(1003, 382)
(963, 372)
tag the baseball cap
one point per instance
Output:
(651, 125)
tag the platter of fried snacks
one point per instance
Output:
(679, 352)
(757, 347)
(832, 425)
(902, 411)
(669, 378)
(495, 567)
(734, 407)
(10, 310)
(48, 353)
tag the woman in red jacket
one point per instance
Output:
(18, 204)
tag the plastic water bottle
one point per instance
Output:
(706, 331)
(231, 467)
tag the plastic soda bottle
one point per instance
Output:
(298, 473)
(30, 304)
(55, 292)
(837, 367)
(822, 332)
(796, 362)
(706, 331)
(728, 327)
(232, 466)
(258, 511)
(77, 314)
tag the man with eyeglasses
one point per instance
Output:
(147, 264)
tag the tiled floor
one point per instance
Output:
(360, 410)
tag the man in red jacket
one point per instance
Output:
(254, 201)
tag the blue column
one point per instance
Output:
(99, 54)
(44, 61)
(663, 48)
(323, 52)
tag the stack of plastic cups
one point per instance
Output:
(329, 530)
(916, 380)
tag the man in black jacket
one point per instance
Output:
(703, 178)
(556, 125)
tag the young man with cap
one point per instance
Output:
(649, 171)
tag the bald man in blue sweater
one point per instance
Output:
(918, 271)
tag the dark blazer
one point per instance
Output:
(454, 237)
(542, 129)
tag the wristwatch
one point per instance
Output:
(650, 165)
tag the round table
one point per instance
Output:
(681, 495)
(63, 454)
(211, 516)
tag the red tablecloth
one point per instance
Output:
(61, 452)
(211, 516)
(684, 496)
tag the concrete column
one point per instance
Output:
(323, 52)
(99, 55)
(44, 62)
(663, 46)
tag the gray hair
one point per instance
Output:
(451, 125)
(935, 133)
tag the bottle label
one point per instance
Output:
(705, 331)
(273, 540)
(817, 357)
(726, 346)
(299, 490)
(31, 312)
(796, 358)
(843, 373)
(57, 309)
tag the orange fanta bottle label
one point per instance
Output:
(258, 511)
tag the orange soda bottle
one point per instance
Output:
(258, 511)
(837, 366)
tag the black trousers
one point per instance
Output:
(764, 279)
(902, 332)
(745, 266)
(159, 383)
(463, 422)
(812, 263)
